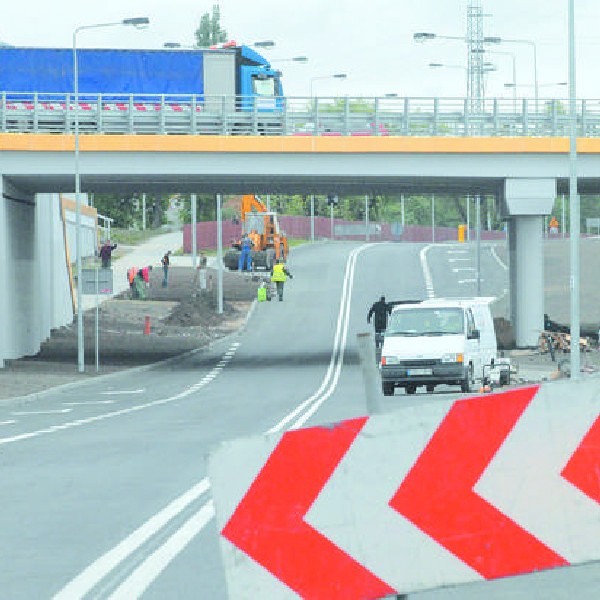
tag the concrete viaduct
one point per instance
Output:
(524, 174)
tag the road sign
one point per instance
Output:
(429, 496)
(105, 281)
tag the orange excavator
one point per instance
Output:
(262, 226)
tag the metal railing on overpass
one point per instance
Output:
(204, 115)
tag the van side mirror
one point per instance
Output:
(475, 334)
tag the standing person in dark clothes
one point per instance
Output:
(165, 262)
(106, 253)
(381, 310)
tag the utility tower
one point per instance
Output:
(475, 59)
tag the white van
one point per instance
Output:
(441, 341)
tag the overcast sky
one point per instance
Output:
(369, 40)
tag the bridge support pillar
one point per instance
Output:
(34, 286)
(526, 202)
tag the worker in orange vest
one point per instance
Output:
(277, 243)
(131, 273)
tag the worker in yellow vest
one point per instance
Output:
(279, 275)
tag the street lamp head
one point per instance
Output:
(435, 65)
(300, 59)
(264, 44)
(171, 45)
(137, 21)
(509, 85)
(492, 40)
(423, 36)
(340, 75)
(392, 95)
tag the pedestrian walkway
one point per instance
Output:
(147, 253)
(143, 255)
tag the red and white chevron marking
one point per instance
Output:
(432, 495)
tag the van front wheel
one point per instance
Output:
(388, 389)
(465, 386)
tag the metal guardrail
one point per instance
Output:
(203, 115)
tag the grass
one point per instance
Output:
(133, 237)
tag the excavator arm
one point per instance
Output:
(250, 203)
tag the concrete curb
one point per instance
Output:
(132, 370)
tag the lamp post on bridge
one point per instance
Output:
(322, 77)
(532, 45)
(135, 22)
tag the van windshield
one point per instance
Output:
(426, 321)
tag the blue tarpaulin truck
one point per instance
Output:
(226, 80)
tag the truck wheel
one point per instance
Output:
(388, 389)
(465, 386)
(411, 389)
(430, 389)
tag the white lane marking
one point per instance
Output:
(457, 251)
(453, 260)
(92, 575)
(89, 403)
(122, 392)
(9, 422)
(463, 269)
(142, 577)
(498, 259)
(160, 559)
(60, 411)
(338, 334)
(340, 362)
(117, 413)
(462, 281)
(426, 271)
(500, 297)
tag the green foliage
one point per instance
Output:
(589, 209)
(209, 31)
(127, 210)
(206, 209)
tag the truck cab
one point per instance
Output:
(440, 341)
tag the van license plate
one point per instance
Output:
(419, 372)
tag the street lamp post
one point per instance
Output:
(488, 68)
(532, 45)
(321, 77)
(296, 59)
(574, 217)
(514, 72)
(136, 22)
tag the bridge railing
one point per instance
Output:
(291, 116)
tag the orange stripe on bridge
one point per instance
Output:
(31, 142)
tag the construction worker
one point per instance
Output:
(142, 282)
(245, 260)
(277, 244)
(279, 275)
(166, 261)
(255, 237)
(381, 310)
(131, 273)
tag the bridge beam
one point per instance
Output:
(526, 201)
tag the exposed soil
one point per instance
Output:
(182, 317)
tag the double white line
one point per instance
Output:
(143, 576)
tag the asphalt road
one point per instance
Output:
(104, 491)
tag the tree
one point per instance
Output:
(210, 31)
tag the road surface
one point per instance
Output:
(104, 491)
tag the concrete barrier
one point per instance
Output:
(433, 495)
